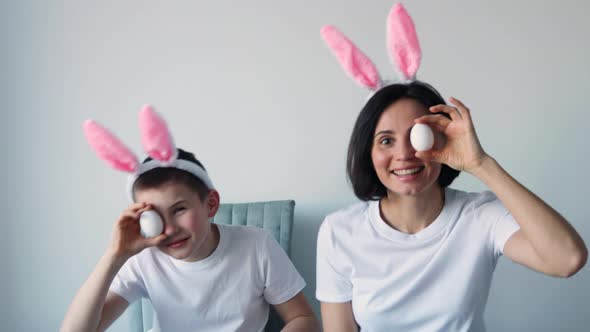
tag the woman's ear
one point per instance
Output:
(213, 202)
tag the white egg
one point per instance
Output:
(150, 223)
(421, 137)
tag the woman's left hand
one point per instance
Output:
(462, 150)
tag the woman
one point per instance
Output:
(416, 255)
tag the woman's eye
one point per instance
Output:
(178, 210)
(385, 141)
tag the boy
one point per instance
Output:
(198, 275)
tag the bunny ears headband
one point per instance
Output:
(157, 142)
(403, 47)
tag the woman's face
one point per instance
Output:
(393, 156)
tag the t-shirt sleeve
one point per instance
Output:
(333, 273)
(128, 282)
(281, 279)
(503, 225)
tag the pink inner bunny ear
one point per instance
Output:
(402, 40)
(354, 62)
(109, 147)
(155, 136)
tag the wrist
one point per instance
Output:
(114, 258)
(485, 165)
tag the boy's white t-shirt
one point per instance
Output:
(435, 280)
(228, 291)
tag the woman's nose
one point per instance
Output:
(404, 150)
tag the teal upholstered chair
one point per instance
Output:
(275, 216)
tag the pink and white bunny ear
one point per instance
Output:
(402, 41)
(355, 63)
(155, 136)
(109, 147)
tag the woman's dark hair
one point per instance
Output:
(359, 165)
(156, 177)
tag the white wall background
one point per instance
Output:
(252, 90)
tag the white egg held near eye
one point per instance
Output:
(150, 223)
(421, 137)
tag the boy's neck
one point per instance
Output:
(212, 240)
(210, 244)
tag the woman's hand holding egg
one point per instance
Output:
(460, 148)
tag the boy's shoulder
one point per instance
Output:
(245, 238)
(244, 231)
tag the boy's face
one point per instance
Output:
(186, 219)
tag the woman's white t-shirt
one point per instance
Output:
(435, 280)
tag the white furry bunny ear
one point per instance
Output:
(403, 44)
(155, 136)
(356, 64)
(109, 147)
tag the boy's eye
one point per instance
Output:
(179, 209)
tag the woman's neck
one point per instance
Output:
(412, 213)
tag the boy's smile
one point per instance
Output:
(177, 244)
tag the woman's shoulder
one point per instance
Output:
(347, 218)
(477, 206)
(354, 210)
(473, 199)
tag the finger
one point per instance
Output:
(462, 108)
(147, 207)
(438, 128)
(135, 210)
(129, 215)
(450, 110)
(154, 241)
(136, 206)
(437, 120)
(426, 155)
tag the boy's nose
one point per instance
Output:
(169, 228)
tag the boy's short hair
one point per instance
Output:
(162, 175)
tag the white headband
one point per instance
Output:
(181, 164)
